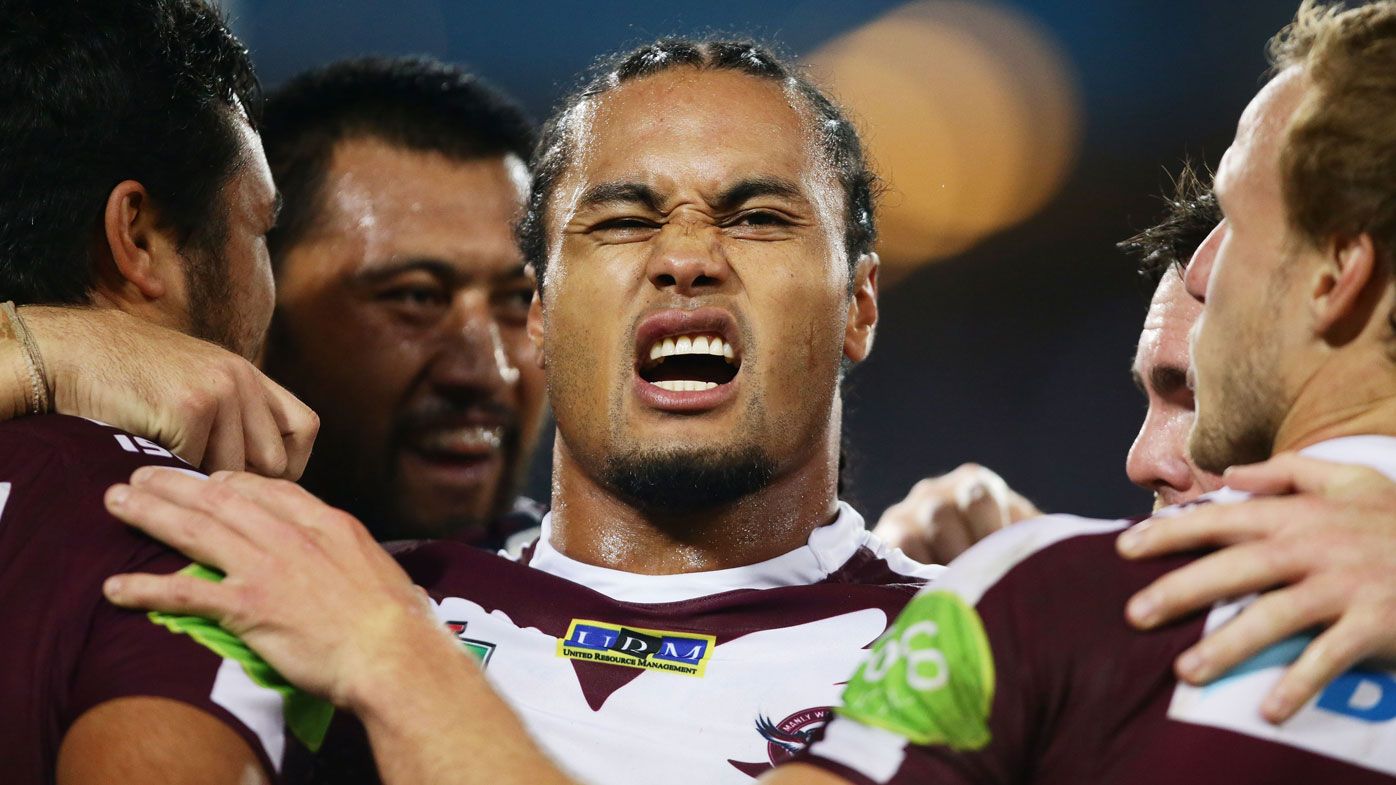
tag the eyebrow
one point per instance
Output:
(619, 192)
(752, 187)
(377, 273)
(622, 192)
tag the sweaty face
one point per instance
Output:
(230, 287)
(696, 298)
(1158, 460)
(1242, 276)
(400, 320)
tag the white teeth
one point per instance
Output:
(467, 440)
(684, 385)
(692, 344)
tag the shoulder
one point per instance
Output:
(85, 449)
(1022, 548)
(55, 471)
(875, 563)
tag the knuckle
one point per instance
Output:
(197, 404)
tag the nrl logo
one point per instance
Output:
(480, 650)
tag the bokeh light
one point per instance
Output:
(971, 114)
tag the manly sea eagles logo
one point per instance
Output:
(793, 734)
(787, 738)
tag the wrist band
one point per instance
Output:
(37, 395)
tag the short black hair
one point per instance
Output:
(1192, 213)
(417, 103)
(841, 146)
(94, 93)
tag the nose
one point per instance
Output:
(1200, 266)
(1156, 461)
(687, 258)
(471, 353)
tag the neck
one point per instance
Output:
(1346, 396)
(592, 524)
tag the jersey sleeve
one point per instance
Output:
(959, 689)
(55, 480)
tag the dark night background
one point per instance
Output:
(1014, 353)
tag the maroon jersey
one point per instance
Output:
(66, 648)
(1017, 666)
(704, 677)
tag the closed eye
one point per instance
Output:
(759, 218)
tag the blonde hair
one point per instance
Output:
(1338, 161)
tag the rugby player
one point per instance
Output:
(1158, 459)
(402, 296)
(942, 516)
(698, 594)
(134, 181)
(965, 687)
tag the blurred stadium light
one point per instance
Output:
(972, 115)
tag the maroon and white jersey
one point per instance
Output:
(698, 678)
(66, 649)
(1017, 666)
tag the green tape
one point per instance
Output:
(930, 677)
(307, 716)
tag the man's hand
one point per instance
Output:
(310, 591)
(943, 516)
(209, 406)
(307, 587)
(1330, 547)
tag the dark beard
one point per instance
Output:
(679, 482)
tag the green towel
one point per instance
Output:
(307, 716)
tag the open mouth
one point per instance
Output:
(689, 363)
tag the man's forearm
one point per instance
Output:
(441, 724)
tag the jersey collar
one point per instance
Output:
(828, 548)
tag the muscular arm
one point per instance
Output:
(485, 745)
(209, 406)
(137, 741)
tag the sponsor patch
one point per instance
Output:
(635, 647)
(930, 677)
(1352, 720)
(480, 650)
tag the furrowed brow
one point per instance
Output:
(752, 187)
(619, 193)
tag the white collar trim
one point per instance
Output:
(828, 549)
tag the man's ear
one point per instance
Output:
(535, 320)
(862, 309)
(141, 262)
(1343, 293)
